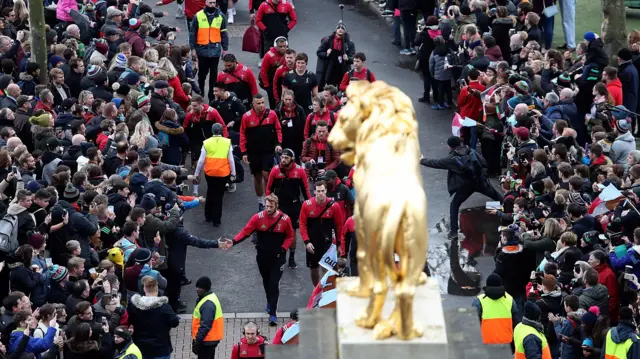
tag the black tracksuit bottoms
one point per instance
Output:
(271, 267)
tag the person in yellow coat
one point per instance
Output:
(125, 347)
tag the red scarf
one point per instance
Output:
(337, 43)
(289, 112)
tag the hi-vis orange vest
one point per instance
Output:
(217, 329)
(208, 32)
(522, 331)
(496, 325)
(216, 164)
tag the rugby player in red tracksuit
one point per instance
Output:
(288, 181)
(320, 222)
(272, 60)
(359, 71)
(320, 113)
(275, 18)
(238, 79)
(198, 123)
(349, 245)
(281, 72)
(260, 134)
(275, 234)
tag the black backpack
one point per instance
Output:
(352, 73)
(470, 165)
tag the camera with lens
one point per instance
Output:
(313, 170)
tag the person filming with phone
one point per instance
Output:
(275, 236)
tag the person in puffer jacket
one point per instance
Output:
(441, 73)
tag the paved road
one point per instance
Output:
(234, 273)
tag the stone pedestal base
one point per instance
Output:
(358, 343)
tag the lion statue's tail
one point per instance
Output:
(392, 232)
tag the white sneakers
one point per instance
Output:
(232, 187)
(230, 13)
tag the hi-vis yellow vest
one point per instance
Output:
(496, 326)
(131, 350)
(217, 329)
(208, 32)
(617, 351)
(216, 164)
(522, 331)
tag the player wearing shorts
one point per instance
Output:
(289, 181)
(320, 223)
(260, 134)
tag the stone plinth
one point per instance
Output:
(358, 343)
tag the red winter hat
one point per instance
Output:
(521, 132)
(36, 240)
(102, 48)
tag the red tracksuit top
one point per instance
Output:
(288, 184)
(241, 81)
(348, 230)
(208, 117)
(315, 229)
(280, 237)
(362, 75)
(256, 134)
(312, 121)
(246, 350)
(281, 72)
(270, 64)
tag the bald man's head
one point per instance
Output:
(566, 94)
(13, 90)
(12, 143)
(521, 109)
(76, 140)
(73, 30)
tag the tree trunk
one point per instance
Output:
(614, 27)
(38, 38)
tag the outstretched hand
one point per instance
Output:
(225, 244)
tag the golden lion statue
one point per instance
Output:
(377, 132)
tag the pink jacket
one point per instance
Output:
(63, 9)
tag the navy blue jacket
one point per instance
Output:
(628, 75)
(152, 319)
(178, 241)
(164, 195)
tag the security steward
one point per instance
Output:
(320, 221)
(528, 336)
(216, 157)
(497, 312)
(252, 343)
(622, 341)
(208, 38)
(274, 237)
(207, 326)
(260, 133)
(289, 181)
(125, 347)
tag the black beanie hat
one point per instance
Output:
(204, 283)
(626, 313)
(454, 141)
(532, 311)
(494, 280)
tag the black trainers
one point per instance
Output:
(292, 263)
(185, 281)
(424, 99)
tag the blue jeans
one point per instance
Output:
(568, 12)
(547, 31)
(395, 29)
